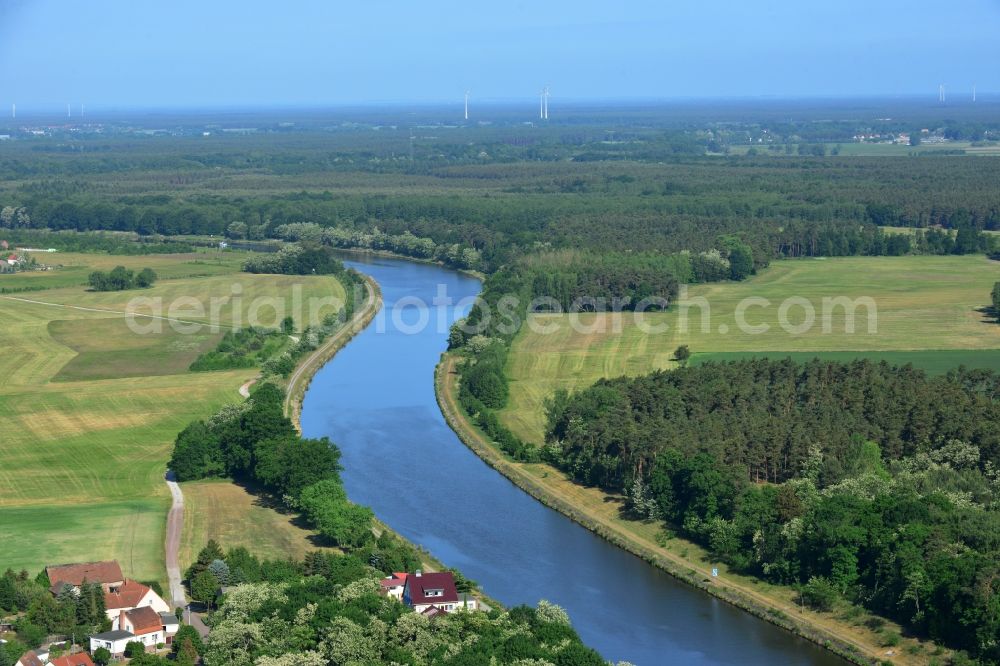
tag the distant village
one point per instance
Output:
(138, 619)
(14, 260)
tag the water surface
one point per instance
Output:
(376, 400)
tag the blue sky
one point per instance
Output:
(134, 53)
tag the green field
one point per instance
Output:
(70, 269)
(930, 307)
(91, 408)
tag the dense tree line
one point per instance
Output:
(406, 243)
(328, 609)
(300, 259)
(40, 614)
(96, 241)
(860, 480)
(120, 278)
(255, 442)
(484, 215)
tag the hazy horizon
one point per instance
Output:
(116, 54)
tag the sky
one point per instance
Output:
(223, 53)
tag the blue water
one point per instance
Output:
(376, 400)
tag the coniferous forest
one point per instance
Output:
(862, 480)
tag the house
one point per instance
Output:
(78, 659)
(145, 624)
(132, 595)
(41, 658)
(108, 574)
(425, 590)
(113, 641)
(171, 625)
(433, 612)
(139, 625)
(33, 658)
(392, 586)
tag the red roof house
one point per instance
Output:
(78, 659)
(108, 574)
(423, 590)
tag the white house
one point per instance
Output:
(144, 624)
(171, 625)
(423, 591)
(129, 595)
(392, 586)
(113, 641)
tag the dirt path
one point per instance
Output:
(245, 389)
(589, 507)
(175, 525)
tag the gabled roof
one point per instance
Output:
(395, 580)
(144, 620)
(128, 596)
(417, 588)
(30, 658)
(92, 572)
(433, 611)
(78, 659)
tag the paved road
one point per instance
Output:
(175, 522)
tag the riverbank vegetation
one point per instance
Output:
(882, 488)
(328, 609)
(255, 442)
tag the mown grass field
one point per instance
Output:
(234, 517)
(930, 307)
(91, 409)
(71, 269)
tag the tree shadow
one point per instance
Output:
(990, 314)
(266, 500)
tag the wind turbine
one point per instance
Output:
(973, 93)
(13, 110)
(69, 111)
(466, 104)
(541, 104)
(545, 98)
(941, 95)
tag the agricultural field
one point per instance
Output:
(71, 269)
(929, 311)
(91, 407)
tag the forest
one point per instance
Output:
(862, 481)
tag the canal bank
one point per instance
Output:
(376, 399)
